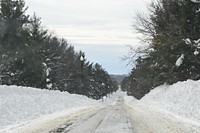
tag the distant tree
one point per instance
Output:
(125, 85)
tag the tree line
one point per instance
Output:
(172, 30)
(32, 56)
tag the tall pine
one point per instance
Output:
(172, 29)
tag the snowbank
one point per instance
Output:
(20, 104)
(181, 99)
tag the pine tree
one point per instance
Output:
(34, 73)
(13, 39)
(172, 30)
(31, 56)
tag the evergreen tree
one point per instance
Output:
(12, 39)
(31, 56)
(172, 30)
(34, 72)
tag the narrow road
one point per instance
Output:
(118, 118)
(121, 118)
(112, 119)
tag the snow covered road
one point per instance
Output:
(118, 118)
(112, 119)
(161, 111)
(109, 120)
(122, 118)
(50, 122)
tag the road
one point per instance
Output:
(118, 118)
(121, 118)
(112, 119)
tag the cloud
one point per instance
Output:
(87, 10)
(101, 28)
(105, 20)
(95, 34)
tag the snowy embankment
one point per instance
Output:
(22, 104)
(181, 99)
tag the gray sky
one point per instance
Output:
(100, 28)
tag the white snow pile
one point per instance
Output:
(196, 52)
(181, 99)
(21, 104)
(196, 1)
(180, 60)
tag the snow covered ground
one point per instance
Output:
(182, 99)
(179, 102)
(167, 108)
(19, 105)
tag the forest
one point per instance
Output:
(171, 29)
(32, 56)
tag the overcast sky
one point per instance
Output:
(100, 28)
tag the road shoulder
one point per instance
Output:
(52, 121)
(149, 120)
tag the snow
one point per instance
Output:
(44, 64)
(180, 99)
(167, 108)
(187, 41)
(48, 71)
(23, 104)
(112, 98)
(49, 86)
(196, 52)
(48, 80)
(196, 1)
(112, 119)
(197, 11)
(53, 121)
(180, 60)
(197, 41)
